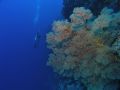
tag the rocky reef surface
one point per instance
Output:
(86, 50)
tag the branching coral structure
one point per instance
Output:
(87, 49)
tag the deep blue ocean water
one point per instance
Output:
(23, 67)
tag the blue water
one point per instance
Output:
(23, 67)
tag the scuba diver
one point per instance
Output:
(37, 40)
(36, 24)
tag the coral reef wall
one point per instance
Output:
(87, 49)
(95, 5)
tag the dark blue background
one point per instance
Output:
(23, 67)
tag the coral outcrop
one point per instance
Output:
(87, 49)
(95, 5)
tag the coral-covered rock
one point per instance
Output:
(85, 50)
(112, 71)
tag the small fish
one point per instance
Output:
(37, 40)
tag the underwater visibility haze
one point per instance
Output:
(60, 45)
(22, 66)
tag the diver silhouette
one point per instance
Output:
(36, 24)
(37, 40)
